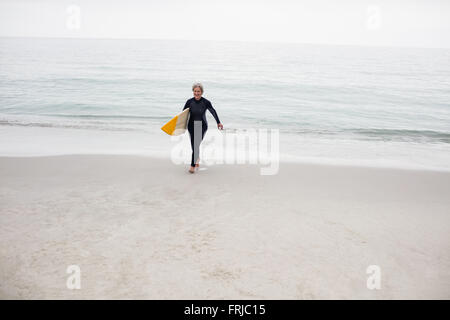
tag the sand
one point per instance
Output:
(145, 228)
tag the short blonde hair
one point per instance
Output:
(197, 85)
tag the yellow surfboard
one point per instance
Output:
(178, 124)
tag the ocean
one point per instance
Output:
(370, 106)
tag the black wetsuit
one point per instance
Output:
(197, 116)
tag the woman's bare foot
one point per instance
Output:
(197, 165)
(192, 169)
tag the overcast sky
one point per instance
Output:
(418, 23)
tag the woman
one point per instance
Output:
(197, 116)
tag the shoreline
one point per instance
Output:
(323, 162)
(142, 227)
(21, 142)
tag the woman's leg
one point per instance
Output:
(195, 141)
(204, 129)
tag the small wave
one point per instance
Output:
(376, 134)
(105, 116)
(402, 134)
(105, 127)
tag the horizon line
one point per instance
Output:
(228, 40)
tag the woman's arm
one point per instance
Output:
(213, 111)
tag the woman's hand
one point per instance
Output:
(220, 126)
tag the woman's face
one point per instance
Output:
(197, 93)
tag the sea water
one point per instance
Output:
(376, 106)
